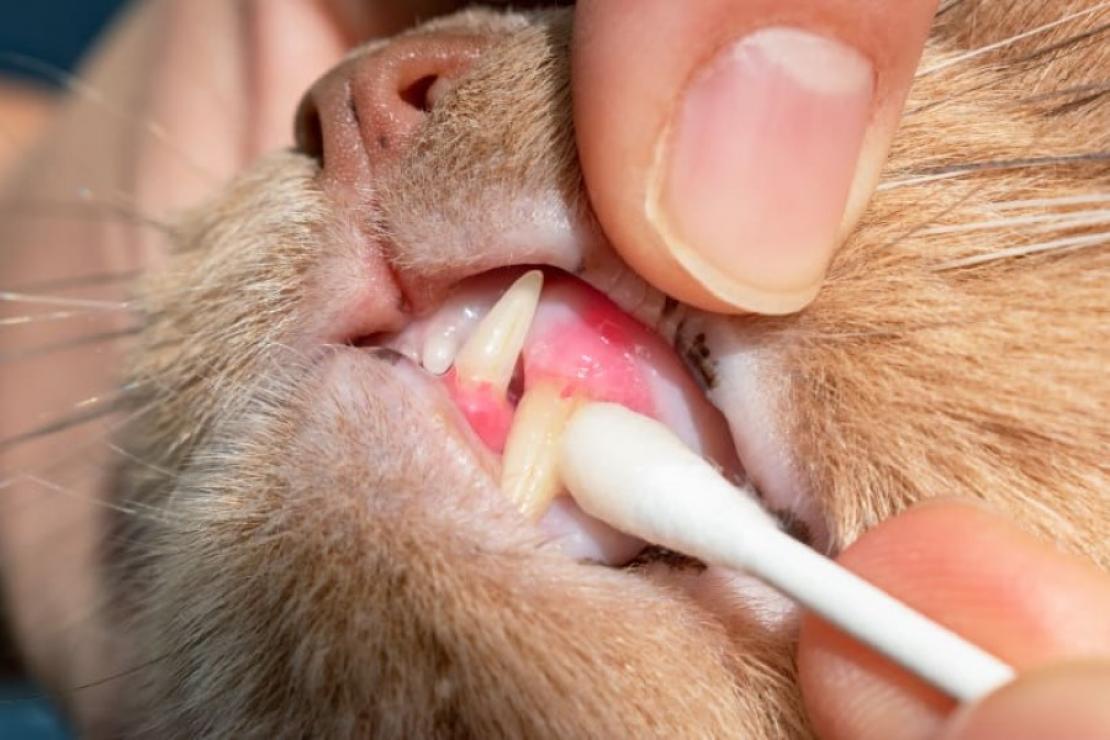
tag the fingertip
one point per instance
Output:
(1066, 701)
(751, 175)
(727, 164)
(972, 571)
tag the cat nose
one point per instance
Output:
(363, 112)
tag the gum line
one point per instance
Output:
(585, 344)
(581, 341)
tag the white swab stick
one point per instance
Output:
(635, 474)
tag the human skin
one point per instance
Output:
(1021, 599)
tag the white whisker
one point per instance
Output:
(82, 412)
(70, 454)
(41, 317)
(57, 300)
(134, 509)
(1008, 41)
(1001, 165)
(1067, 243)
(1066, 200)
(76, 281)
(139, 461)
(919, 180)
(1044, 222)
(86, 209)
(57, 488)
(85, 340)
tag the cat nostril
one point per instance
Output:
(361, 114)
(417, 94)
(394, 89)
(308, 131)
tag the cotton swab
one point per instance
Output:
(635, 474)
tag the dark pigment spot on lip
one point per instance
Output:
(387, 355)
(697, 355)
(656, 554)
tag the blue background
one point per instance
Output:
(50, 32)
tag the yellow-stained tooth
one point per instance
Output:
(530, 466)
(491, 352)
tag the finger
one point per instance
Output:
(1063, 701)
(729, 145)
(977, 574)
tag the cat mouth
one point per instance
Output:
(516, 350)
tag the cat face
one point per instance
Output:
(311, 539)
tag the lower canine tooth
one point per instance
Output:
(490, 354)
(529, 468)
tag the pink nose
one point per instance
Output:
(363, 112)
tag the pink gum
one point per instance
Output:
(489, 412)
(580, 341)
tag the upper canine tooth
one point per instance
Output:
(530, 466)
(490, 354)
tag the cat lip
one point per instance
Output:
(591, 542)
(564, 525)
(568, 241)
(592, 348)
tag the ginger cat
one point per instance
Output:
(302, 537)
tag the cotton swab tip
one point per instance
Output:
(633, 473)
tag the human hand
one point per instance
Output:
(730, 145)
(1040, 610)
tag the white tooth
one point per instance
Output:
(529, 467)
(491, 352)
(454, 322)
(439, 350)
